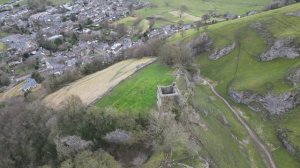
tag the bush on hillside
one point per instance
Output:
(4, 79)
(56, 82)
(200, 44)
(150, 48)
(38, 5)
(279, 3)
(37, 77)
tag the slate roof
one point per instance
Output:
(30, 83)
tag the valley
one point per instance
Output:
(150, 83)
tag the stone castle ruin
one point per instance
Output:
(167, 97)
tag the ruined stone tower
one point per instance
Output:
(167, 97)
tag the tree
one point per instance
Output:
(121, 30)
(130, 8)
(4, 79)
(182, 9)
(38, 5)
(89, 159)
(37, 77)
(167, 3)
(151, 23)
(150, 48)
(73, 107)
(205, 17)
(24, 135)
(180, 23)
(200, 44)
(169, 54)
(198, 24)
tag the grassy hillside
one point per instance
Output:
(242, 70)
(3, 1)
(1, 46)
(222, 138)
(137, 95)
(197, 8)
(227, 144)
(225, 139)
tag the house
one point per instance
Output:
(30, 84)
(21, 43)
(116, 48)
(56, 37)
(187, 27)
(127, 43)
(55, 66)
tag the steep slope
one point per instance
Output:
(260, 74)
(211, 135)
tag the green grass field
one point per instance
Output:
(3, 1)
(229, 144)
(253, 74)
(198, 8)
(137, 94)
(2, 46)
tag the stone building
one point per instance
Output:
(167, 97)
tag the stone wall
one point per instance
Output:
(167, 97)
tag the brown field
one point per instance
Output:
(93, 86)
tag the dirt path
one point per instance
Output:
(93, 86)
(252, 134)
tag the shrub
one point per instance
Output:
(37, 77)
(38, 5)
(150, 48)
(4, 79)
(279, 3)
(56, 82)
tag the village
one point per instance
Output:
(64, 37)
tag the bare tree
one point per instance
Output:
(130, 8)
(121, 30)
(205, 17)
(169, 54)
(180, 23)
(4, 79)
(167, 3)
(182, 9)
(198, 24)
(38, 5)
(150, 48)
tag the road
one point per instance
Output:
(251, 133)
